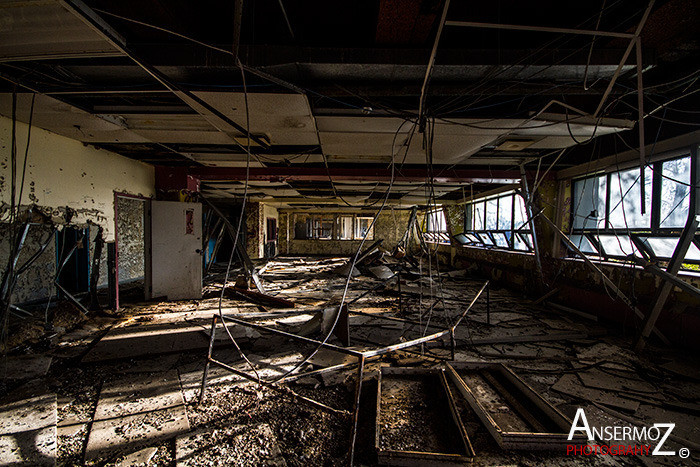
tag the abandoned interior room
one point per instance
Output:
(377, 232)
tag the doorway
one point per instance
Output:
(271, 238)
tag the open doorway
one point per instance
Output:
(130, 239)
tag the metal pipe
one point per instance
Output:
(259, 327)
(212, 338)
(519, 27)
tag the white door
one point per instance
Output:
(176, 243)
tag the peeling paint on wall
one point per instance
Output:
(130, 238)
(37, 282)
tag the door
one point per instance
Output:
(271, 237)
(176, 250)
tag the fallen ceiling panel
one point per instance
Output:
(43, 29)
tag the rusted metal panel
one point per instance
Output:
(531, 423)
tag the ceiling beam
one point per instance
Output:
(320, 174)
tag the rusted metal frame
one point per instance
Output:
(631, 44)
(205, 374)
(308, 340)
(392, 318)
(608, 282)
(356, 407)
(513, 401)
(322, 371)
(423, 457)
(522, 27)
(431, 62)
(640, 122)
(673, 267)
(511, 439)
(282, 390)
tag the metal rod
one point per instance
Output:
(620, 294)
(356, 410)
(354, 353)
(205, 374)
(216, 118)
(431, 60)
(624, 58)
(673, 267)
(640, 124)
(519, 27)
(488, 305)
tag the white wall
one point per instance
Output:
(63, 172)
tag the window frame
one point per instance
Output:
(638, 235)
(523, 233)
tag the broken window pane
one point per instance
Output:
(478, 210)
(589, 203)
(583, 244)
(627, 213)
(363, 228)
(492, 214)
(345, 227)
(617, 245)
(505, 211)
(523, 242)
(675, 192)
(520, 214)
(663, 247)
(486, 239)
(501, 239)
(436, 221)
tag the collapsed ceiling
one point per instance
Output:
(337, 89)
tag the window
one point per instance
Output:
(436, 227)
(607, 219)
(497, 222)
(345, 227)
(332, 227)
(363, 226)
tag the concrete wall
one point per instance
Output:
(37, 282)
(390, 226)
(62, 172)
(64, 179)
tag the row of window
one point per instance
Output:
(332, 227)
(607, 219)
(493, 222)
